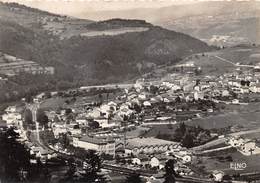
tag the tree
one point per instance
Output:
(107, 96)
(178, 135)
(47, 94)
(14, 157)
(134, 178)
(178, 99)
(72, 170)
(154, 89)
(93, 124)
(42, 118)
(137, 108)
(27, 118)
(68, 111)
(28, 98)
(182, 128)
(64, 140)
(91, 166)
(170, 173)
(100, 97)
(187, 141)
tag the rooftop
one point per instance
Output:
(92, 140)
(150, 141)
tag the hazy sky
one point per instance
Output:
(75, 7)
(69, 6)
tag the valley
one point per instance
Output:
(146, 95)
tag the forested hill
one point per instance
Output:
(91, 52)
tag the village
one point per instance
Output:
(141, 126)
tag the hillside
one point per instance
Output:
(226, 60)
(42, 21)
(216, 22)
(99, 58)
(216, 30)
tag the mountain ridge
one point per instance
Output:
(101, 58)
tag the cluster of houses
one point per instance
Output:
(103, 127)
(12, 116)
(244, 145)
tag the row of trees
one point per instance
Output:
(15, 164)
(189, 136)
(42, 118)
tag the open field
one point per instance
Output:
(248, 120)
(113, 32)
(53, 103)
(255, 135)
(247, 116)
(211, 63)
(213, 163)
(163, 129)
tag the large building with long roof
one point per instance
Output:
(149, 145)
(106, 146)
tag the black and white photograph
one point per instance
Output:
(129, 91)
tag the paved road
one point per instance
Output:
(129, 85)
(35, 136)
(245, 132)
(232, 63)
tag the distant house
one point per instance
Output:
(154, 162)
(125, 111)
(236, 142)
(249, 146)
(255, 88)
(225, 93)
(136, 161)
(217, 175)
(57, 130)
(107, 123)
(107, 110)
(184, 155)
(82, 121)
(235, 101)
(246, 146)
(99, 145)
(147, 104)
(157, 178)
(198, 95)
(41, 153)
(12, 119)
(11, 109)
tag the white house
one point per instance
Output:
(147, 104)
(198, 95)
(106, 110)
(12, 118)
(11, 109)
(154, 162)
(136, 161)
(82, 121)
(249, 146)
(218, 175)
(225, 93)
(255, 89)
(236, 142)
(102, 121)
